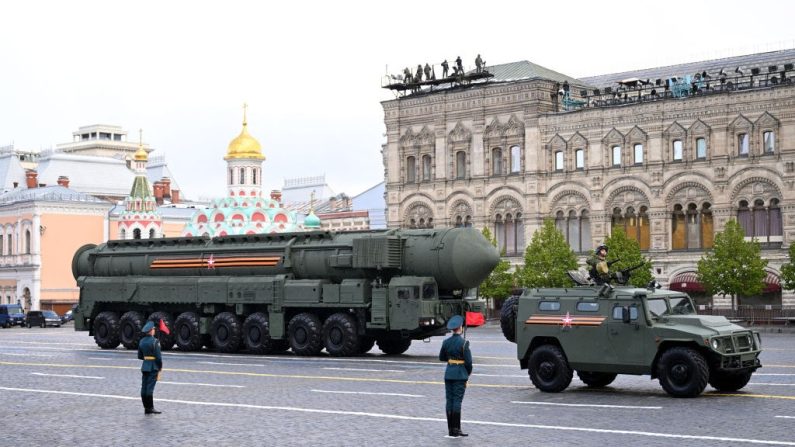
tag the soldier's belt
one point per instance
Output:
(150, 357)
(455, 362)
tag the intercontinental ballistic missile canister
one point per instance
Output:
(300, 291)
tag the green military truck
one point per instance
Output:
(603, 331)
(268, 293)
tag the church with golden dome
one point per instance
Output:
(245, 210)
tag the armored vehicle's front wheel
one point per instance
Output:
(304, 332)
(339, 335)
(393, 346)
(508, 318)
(683, 372)
(106, 330)
(130, 329)
(188, 337)
(549, 370)
(256, 334)
(166, 340)
(729, 380)
(596, 379)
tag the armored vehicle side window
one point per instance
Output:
(658, 307)
(588, 307)
(429, 291)
(405, 293)
(549, 305)
(681, 305)
(633, 312)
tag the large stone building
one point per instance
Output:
(666, 154)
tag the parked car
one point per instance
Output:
(42, 318)
(11, 314)
(68, 316)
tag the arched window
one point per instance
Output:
(742, 144)
(745, 219)
(496, 161)
(123, 234)
(678, 229)
(137, 233)
(151, 233)
(769, 140)
(242, 176)
(411, 170)
(760, 221)
(27, 241)
(707, 226)
(516, 159)
(460, 165)
(426, 168)
(701, 148)
(254, 176)
(579, 157)
(638, 150)
(231, 176)
(510, 234)
(573, 232)
(10, 242)
(616, 156)
(677, 150)
(459, 222)
(634, 223)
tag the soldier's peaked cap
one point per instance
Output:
(148, 326)
(455, 322)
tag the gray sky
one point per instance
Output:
(311, 70)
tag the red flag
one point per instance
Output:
(475, 319)
(163, 328)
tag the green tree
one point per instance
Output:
(547, 259)
(734, 266)
(628, 252)
(499, 284)
(788, 271)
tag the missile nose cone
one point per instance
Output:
(473, 257)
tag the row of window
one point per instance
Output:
(242, 175)
(136, 233)
(7, 244)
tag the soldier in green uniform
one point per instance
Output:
(455, 351)
(149, 352)
(599, 268)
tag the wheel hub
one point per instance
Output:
(184, 332)
(335, 335)
(300, 335)
(223, 333)
(102, 330)
(680, 372)
(254, 334)
(546, 370)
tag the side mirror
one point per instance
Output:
(625, 314)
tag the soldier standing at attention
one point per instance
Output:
(455, 351)
(599, 269)
(149, 352)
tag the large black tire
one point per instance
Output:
(366, 344)
(225, 332)
(339, 335)
(393, 346)
(508, 318)
(186, 332)
(256, 334)
(596, 379)
(305, 334)
(729, 380)
(166, 340)
(549, 370)
(106, 330)
(683, 372)
(130, 327)
(280, 345)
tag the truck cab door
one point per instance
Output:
(404, 304)
(628, 338)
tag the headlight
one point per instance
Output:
(715, 344)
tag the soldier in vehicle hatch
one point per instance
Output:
(149, 352)
(599, 268)
(455, 351)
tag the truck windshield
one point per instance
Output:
(680, 305)
(14, 310)
(676, 305)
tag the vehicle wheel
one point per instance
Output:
(393, 346)
(256, 334)
(43, 325)
(339, 335)
(683, 372)
(166, 340)
(130, 329)
(366, 344)
(225, 332)
(549, 370)
(106, 330)
(729, 380)
(508, 318)
(596, 379)
(305, 335)
(186, 332)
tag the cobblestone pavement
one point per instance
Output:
(59, 389)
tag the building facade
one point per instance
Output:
(669, 168)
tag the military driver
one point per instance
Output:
(455, 351)
(599, 268)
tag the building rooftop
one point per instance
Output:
(55, 193)
(102, 176)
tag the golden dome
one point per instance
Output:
(140, 154)
(244, 146)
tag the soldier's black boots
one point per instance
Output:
(149, 405)
(457, 425)
(450, 431)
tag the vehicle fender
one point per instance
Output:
(538, 341)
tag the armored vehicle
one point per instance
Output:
(603, 331)
(269, 292)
